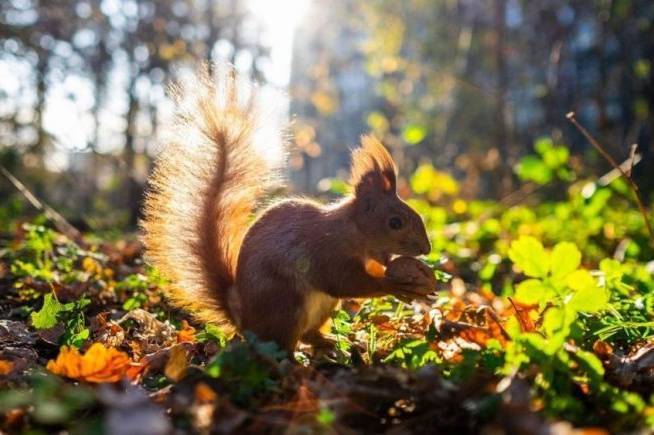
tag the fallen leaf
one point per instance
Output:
(5, 367)
(602, 349)
(91, 266)
(522, 313)
(186, 334)
(204, 393)
(177, 363)
(99, 364)
(149, 334)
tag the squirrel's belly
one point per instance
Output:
(318, 307)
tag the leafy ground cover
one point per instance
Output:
(543, 323)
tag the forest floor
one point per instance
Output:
(543, 323)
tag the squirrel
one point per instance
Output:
(278, 274)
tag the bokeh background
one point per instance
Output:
(470, 93)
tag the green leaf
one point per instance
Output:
(591, 364)
(533, 291)
(325, 416)
(46, 317)
(553, 321)
(512, 327)
(213, 333)
(590, 300)
(529, 255)
(612, 269)
(535, 346)
(531, 168)
(543, 144)
(76, 339)
(580, 279)
(556, 157)
(588, 296)
(565, 259)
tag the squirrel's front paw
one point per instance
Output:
(410, 275)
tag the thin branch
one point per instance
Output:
(611, 160)
(632, 157)
(60, 222)
(608, 178)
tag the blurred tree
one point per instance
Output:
(124, 52)
(330, 91)
(471, 84)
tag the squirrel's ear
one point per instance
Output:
(373, 168)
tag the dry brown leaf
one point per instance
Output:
(149, 335)
(522, 314)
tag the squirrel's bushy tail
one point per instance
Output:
(202, 192)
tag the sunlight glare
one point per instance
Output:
(279, 19)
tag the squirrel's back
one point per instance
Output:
(206, 182)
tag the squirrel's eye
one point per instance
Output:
(395, 223)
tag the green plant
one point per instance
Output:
(70, 315)
(549, 163)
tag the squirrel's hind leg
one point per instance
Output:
(272, 312)
(315, 336)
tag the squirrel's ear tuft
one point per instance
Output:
(373, 168)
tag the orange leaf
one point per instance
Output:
(186, 334)
(6, 367)
(602, 349)
(522, 314)
(204, 393)
(99, 364)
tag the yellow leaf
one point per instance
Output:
(177, 363)
(91, 266)
(459, 206)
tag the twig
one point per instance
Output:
(60, 222)
(632, 157)
(493, 315)
(608, 178)
(607, 156)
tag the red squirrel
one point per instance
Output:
(278, 274)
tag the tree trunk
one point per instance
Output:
(41, 135)
(501, 136)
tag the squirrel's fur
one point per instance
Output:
(278, 275)
(206, 182)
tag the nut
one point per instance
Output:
(410, 270)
